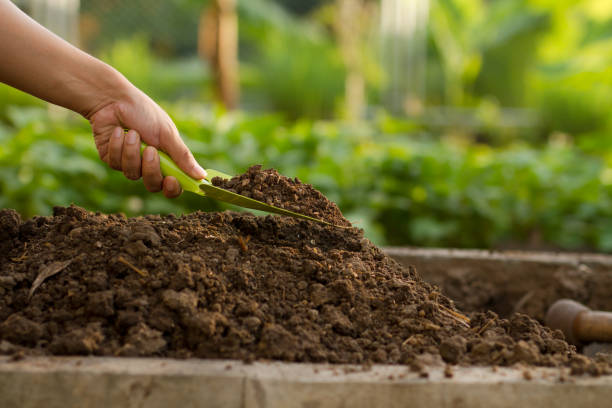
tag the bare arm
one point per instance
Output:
(44, 65)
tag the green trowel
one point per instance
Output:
(205, 188)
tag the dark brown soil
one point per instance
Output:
(290, 194)
(522, 287)
(229, 285)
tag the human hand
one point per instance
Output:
(145, 121)
(50, 68)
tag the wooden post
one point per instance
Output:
(349, 31)
(218, 44)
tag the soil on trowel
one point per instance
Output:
(233, 285)
(290, 194)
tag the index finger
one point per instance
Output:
(180, 154)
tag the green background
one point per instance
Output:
(522, 157)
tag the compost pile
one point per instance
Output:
(233, 285)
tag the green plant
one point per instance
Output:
(293, 64)
(183, 78)
(402, 188)
(11, 97)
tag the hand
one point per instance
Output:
(48, 67)
(148, 122)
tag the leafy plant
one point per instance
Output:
(293, 64)
(403, 189)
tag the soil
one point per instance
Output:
(473, 294)
(529, 287)
(233, 285)
(290, 194)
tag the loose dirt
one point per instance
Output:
(290, 194)
(233, 285)
(520, 283)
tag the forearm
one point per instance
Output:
(44, 65)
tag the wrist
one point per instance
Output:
(106, 87)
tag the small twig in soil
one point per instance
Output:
(433, 296)
(141, 272)
(243, 242)
(431, 326)
(23, 256)
(485, 326)
(456, 315)
(46, 272)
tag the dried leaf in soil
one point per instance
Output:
(46, 272)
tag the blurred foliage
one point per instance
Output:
(552, 57)
(181, 78)
(485, 47)
(479, 174)
(169, 25)
(11, 97)
(402, 189)
(294, 66)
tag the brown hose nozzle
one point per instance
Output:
(578, 323)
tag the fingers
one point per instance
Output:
(124, 155)
(115, 148)
(151, 173)
(130, 155)
(172, 144)
(171, 187)
(152, 177)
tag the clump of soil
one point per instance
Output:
(290, 194)
(233, 285)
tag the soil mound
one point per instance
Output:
(232, 285)
(290, 194)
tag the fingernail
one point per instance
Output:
(117, 133)
(148, 155)
(132, 138)
(200, 171)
